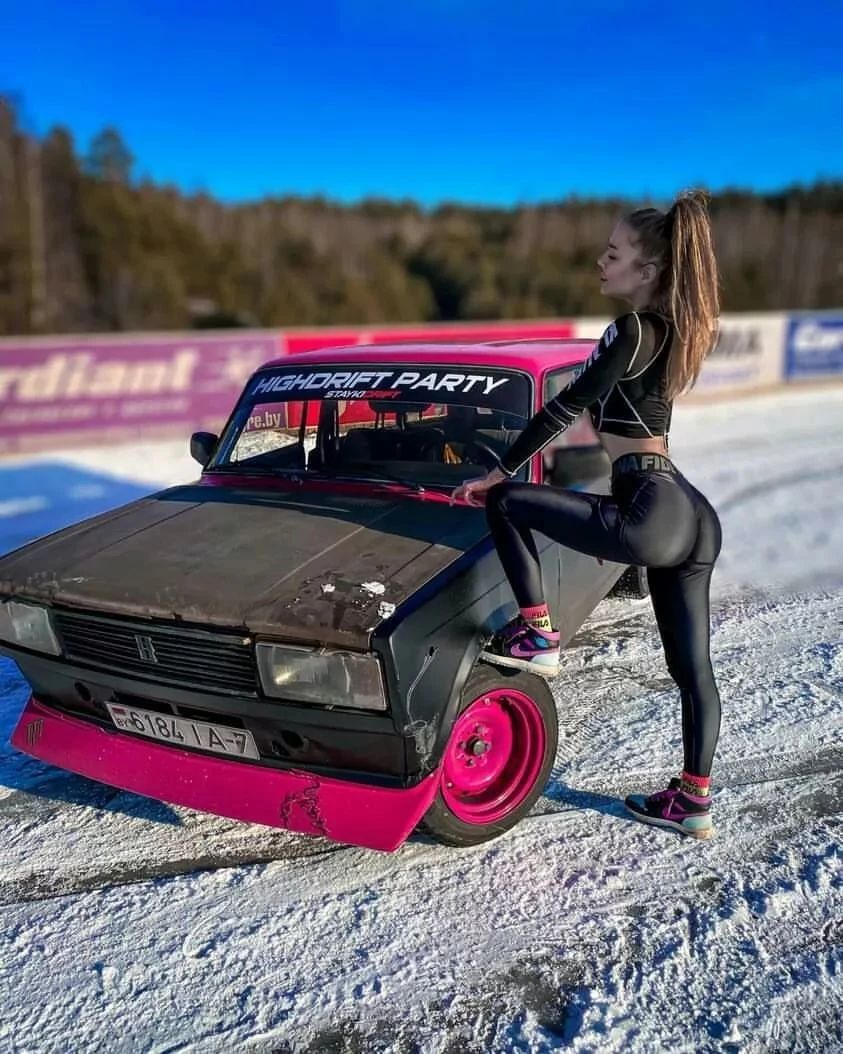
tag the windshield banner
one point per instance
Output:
(378, 383)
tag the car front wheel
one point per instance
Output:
(498, 757)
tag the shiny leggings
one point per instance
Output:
(654, 519)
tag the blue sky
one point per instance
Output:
(486, 103)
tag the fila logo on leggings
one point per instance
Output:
(644, 463)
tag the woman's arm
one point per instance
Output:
(610, 360)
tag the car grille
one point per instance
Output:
(213, 661)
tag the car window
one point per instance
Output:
(581, 432)
(265, 431)
(422, 424)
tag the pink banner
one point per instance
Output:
(63, 391)
(57, 392)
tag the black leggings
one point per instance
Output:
(655, 519)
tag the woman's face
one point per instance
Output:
(622, 274)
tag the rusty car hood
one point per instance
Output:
(305, 565)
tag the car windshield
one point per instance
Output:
(421, 425)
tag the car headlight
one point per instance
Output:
(318, 675)
(29, 626)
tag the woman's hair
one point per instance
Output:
(680, 242)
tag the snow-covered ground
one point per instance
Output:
(133, 926)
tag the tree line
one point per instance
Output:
(85, 247)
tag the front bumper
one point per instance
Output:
(343, 811)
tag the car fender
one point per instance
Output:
(432, 645)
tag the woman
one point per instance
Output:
(663, 264)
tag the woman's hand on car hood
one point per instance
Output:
(473, 491)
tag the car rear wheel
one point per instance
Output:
(498, 757)
(632, 583)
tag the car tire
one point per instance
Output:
(632, 583)
(498, 757)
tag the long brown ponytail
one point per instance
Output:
(680, 241)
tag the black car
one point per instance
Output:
(293, 639)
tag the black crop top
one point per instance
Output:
(622, 384)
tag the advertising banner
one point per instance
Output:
(749, 352)
(591, 328)
(60, 391)
(814, 346)
(95, 390)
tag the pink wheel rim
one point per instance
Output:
(493, 757)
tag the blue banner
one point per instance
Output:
(814, 345)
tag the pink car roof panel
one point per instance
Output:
(532, 356)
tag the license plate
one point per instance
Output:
(183, 733)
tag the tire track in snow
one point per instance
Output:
(790, 481)
(606, 797)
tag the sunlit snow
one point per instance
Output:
(129, 925)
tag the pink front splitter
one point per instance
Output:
(356, 813)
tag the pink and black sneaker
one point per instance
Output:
(523, 647)
(672, 807)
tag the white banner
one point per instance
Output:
(749, 352)
(591, 328)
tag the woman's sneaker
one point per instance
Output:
(672, 807)
(523, 647)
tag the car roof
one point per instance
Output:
(533, 355)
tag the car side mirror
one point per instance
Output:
(202, 446)
(573, 465)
